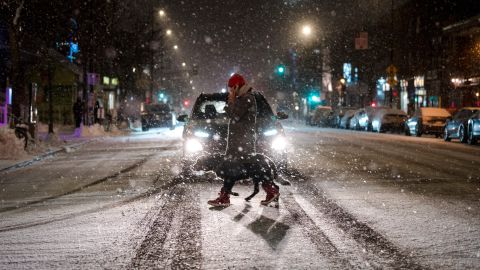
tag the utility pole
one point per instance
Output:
(391, 54)
(50, 96)
(152, 54)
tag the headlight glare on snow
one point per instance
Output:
(270, 132)
(279, 143)
(201, 134)
(193, 146)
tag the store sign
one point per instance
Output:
(361, 42)
(93, 78)
(419, 81)
(347, 72)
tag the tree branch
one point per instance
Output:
(17, 13)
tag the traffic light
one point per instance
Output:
(314, 98)
(280, 69)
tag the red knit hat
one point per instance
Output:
(236, 79)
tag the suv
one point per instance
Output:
(157, 115)
(206, 130)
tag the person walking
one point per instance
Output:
(241, 160)
(77, 112)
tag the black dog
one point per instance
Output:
(259, 166)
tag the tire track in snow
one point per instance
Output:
(410, 154)
(413, 158)
(373, 242)
(323, 244)
(96, 182)
(188, 254)
(173, 240)
(141, 196)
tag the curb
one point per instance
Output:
(40, 157)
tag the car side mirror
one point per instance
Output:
(182, 118)
(282, 115)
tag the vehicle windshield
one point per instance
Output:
(214, 108)
(210, 109)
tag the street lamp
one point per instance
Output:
(161, 13)
(169, 32)
(175, 47)
(184, 64)
(307, 30)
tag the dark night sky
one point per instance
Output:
(225, 36)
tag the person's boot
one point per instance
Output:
(223, 199)
(272, 193)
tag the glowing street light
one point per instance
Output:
(161, 13)
(306, 30)
(184, 64)
(175, 47)
(169, 32)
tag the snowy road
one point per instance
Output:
(357, 201)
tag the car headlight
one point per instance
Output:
(375, 124)
(193, 146)
(270, 132)
(201, 134)
(279, 143)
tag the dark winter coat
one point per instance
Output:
(241, 128)
(78, 109)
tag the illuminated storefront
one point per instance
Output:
(420, 91)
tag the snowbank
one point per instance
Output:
(136, 124)
(92, 131)
(10, 146)
(43, 128)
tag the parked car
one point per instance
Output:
(362, 120)
(427, 120)
(338, 114)
(473, 129)
(457, 128)
(354, 122)
(205, 132)
(392, 120)
(157, 115)
(345, 120)
(322, 116)
(366, 121)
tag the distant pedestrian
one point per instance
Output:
(95, 112)
(78, 112)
